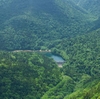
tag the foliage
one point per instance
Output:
(26, 75)
(32, 25)
(82, 64)
(91, 6)
(61, 26)
(66, 86)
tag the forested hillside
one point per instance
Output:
(26, 75)
(67, 28)
(34, 24)
(82, 55)
(30, 73)
(92, 6)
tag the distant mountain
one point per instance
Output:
(93, 6)
(34, 24)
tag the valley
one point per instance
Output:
(49, 49)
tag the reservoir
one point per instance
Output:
(58, 59)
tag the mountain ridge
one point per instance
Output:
(91, 6)
(45, 21)
(60, 26)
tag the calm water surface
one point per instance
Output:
(55, 57)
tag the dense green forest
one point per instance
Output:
(26, 75)
(68, 28)
(92, 6)
(45, 21)
(82, 64)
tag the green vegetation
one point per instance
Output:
(63, 88)
(68, 30)
(32, 25)
(26, 75)
(92, 6)
(34, 76)
(82, 64)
